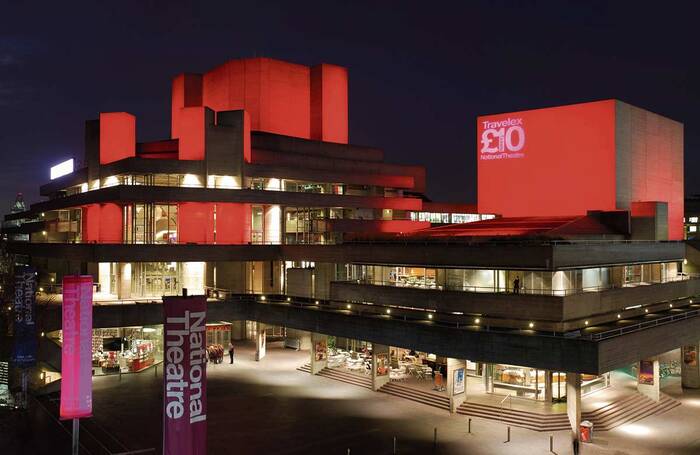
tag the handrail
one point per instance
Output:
(644, 325)
(507, 397)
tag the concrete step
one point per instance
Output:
(349, 378)
(626, 410)
(635, 410)
(420, 396)
(519, 418)
(342, 376)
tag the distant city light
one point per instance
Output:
(62, 169)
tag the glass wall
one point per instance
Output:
(149, 279)
(123, 349)
(150, 223)
(562, 282)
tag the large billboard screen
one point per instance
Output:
(555, 161)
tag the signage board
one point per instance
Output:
(25, 342)
(76, 352)
(185, 376)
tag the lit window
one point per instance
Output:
(693, 219)
(692, 228)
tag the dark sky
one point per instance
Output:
(420, 72)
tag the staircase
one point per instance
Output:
(436, 400)
(342, 376)
(629, 409)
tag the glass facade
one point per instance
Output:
(123, 349)
(561, 282)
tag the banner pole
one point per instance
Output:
(76, 436)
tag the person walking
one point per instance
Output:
(230, 351)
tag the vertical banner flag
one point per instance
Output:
(24, 349)
(76, 354)
(185, 376)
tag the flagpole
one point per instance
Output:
(76, 436)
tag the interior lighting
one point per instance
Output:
(632, 307)
(585, 322)
(477, 320)
(388, 311)
(531, 325)
(263, 298)
(42, 333)
(41, 289)
(9, 308)
(316, 302)
(349, 306)
(691, 300)
(646, 311)
(289, 299)
(430, 316)
(53, 279)
(618, 316)
(670, 305)
(43, 232)
(148, 330)
(191, 180)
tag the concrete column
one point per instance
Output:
(456, 384)
(124, 281)
(380, 365)
(573, 401)
(547, 386)
(488, 377)
(238, 330)
(649, 379)
(690, 366)
(260, 341)
(104, 277)
(319, 352)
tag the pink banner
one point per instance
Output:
(185, 376)
(76, 354)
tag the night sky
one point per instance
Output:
(420, 73)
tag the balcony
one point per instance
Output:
(561, 313)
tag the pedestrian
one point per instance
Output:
(575, 445)
(230, 351)
(516, 285)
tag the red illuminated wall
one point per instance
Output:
(102, 223)
(187, 92)
(566, 165)
(191, 133)
(117, 136)
(277, 95)
(233, 223)
(603, 155)
(195, 222)
(329, 103)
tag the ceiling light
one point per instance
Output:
(531, 325)
(477, 320)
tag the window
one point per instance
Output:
(692, 228)
(693, 219)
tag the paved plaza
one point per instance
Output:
(270, 407)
